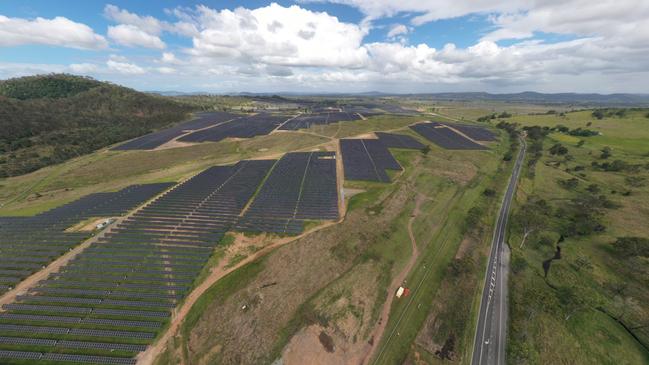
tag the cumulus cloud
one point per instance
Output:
(119, 65)
(397, 29)
(431, 10)
(166, 70)
(132, 36)
(170, 58)
(83, 68)
(147, 24)
(58, 31)
(303, 38)
(276, 46)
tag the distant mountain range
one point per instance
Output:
(523, 97)
(560, 98)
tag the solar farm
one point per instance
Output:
(445, 137)
(244, 127)
(157, 139)
(115, 295)
(27, 244)
(112, 300)
(309, 120)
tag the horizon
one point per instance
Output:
(323, 46)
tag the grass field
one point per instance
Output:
(592, 307)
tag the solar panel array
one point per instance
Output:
(302, 186)
(445, 137)
(309, 120)
(477, 133)
(392, 140)
(367, 159)
(112, 299)
(245, 127)
(156, 139)
(27, 244)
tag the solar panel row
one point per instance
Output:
(29, 243)
(244, 127)
(392, 140)
(156, 139)
(477, 133)
(122, 288)
(301, 186)
(125, 284)
(445, 137)
(309, 120)
(367, 159)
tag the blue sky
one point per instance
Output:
(333, 45)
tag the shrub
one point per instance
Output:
(632, 246)
(558, 149)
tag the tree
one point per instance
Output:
(558, 149)
(531, 217)
(632, 246)
(593, 188)
(573, 299)
(606, 153)
(599, 114)
(569, 184)
(562, 128)
(504, 115)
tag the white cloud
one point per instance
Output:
(147, 24)
(170, 58)
(300, 37)
(132, 36)
(83, 68)
(427, 11)
(276, 47)
(58, 31)
(397, 29)
(166, 70)
(125, 68)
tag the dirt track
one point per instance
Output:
(377, 333)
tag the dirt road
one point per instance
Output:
(396, 283)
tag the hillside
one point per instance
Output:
(48, 119)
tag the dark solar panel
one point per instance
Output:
(477, 133)
(309, 120)
(245, 127)
(367, 159)
(156, 139)
(302, 185)
(445, 137)
(392, 140)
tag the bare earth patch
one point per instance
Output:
(86, 226)
(307, 347)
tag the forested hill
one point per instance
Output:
(48, 119)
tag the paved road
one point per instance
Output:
(491, 332)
